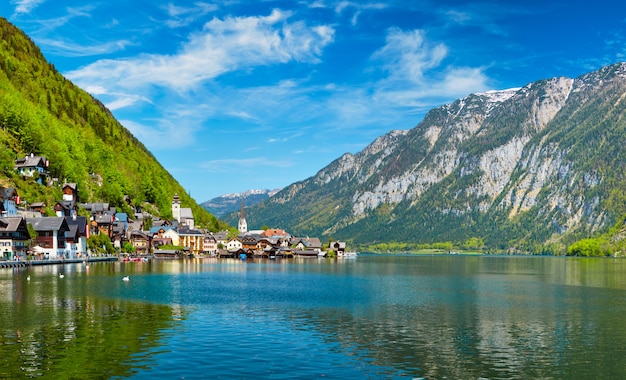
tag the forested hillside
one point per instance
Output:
(43, 113)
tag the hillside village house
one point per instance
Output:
(34, 167)
(234, 244)
(307, 243)
(65, 208)
(221, 238)
(50, 236)
(38, 207)
(141, 241)
(70, 192)
(192, 240)
(209, 245)
(76, 237)
(338, 247)
(166, 232)
(13, 237)
(9, 201)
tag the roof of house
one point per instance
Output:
(72, 231)
(338, 244)
(310, 242)
(11, 223)
(50, 223)
(104, 218)
(155, 229)
(30, 161)
(187, 231)
(135, 225)
(8, 192)
(121, 216)
(139, 235)
(118, 228)
(274, 232)
(66, 205)
(186, 213)
(78, 223)
(95, 207)
(222, 235)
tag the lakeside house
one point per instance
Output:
(50, 238)
(76, 237)
(14, 237)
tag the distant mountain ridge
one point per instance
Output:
(228, 203)
(520, 168)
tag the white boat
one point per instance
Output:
(348, 255)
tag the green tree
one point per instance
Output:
(100, 243)
(585, 247)
(129, 248)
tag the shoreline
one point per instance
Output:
(26, 263)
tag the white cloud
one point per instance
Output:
(417, 75)
(227, 45)
(124, 101)
(160, 134)
(26, 6)
(343, 5)
(358, 8)
(407, 55)
(68, 49)
(227, 165)
(182, 16)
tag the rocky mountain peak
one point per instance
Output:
(529, 165)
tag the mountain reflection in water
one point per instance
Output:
(373, 317)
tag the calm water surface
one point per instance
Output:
(388, 317)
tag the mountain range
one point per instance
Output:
(228, 203)
(530, 168)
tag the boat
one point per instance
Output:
(348, 255)
(167, 254)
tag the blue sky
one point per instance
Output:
(237, 95)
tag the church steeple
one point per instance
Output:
(176, 207)
(242, 226)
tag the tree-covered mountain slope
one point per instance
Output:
(537, 166)
(44, 114)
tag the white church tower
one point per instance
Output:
(242, 226)
(176, 208)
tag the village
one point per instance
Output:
(65, 236)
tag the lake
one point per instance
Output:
(374, 317)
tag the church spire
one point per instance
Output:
(242, 226)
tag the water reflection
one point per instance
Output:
(391, 317)
(59, 328)
(494, 318)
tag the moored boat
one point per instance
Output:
(348, 255)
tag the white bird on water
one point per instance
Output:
(61, 275)
(125, 278)
(28, 278)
